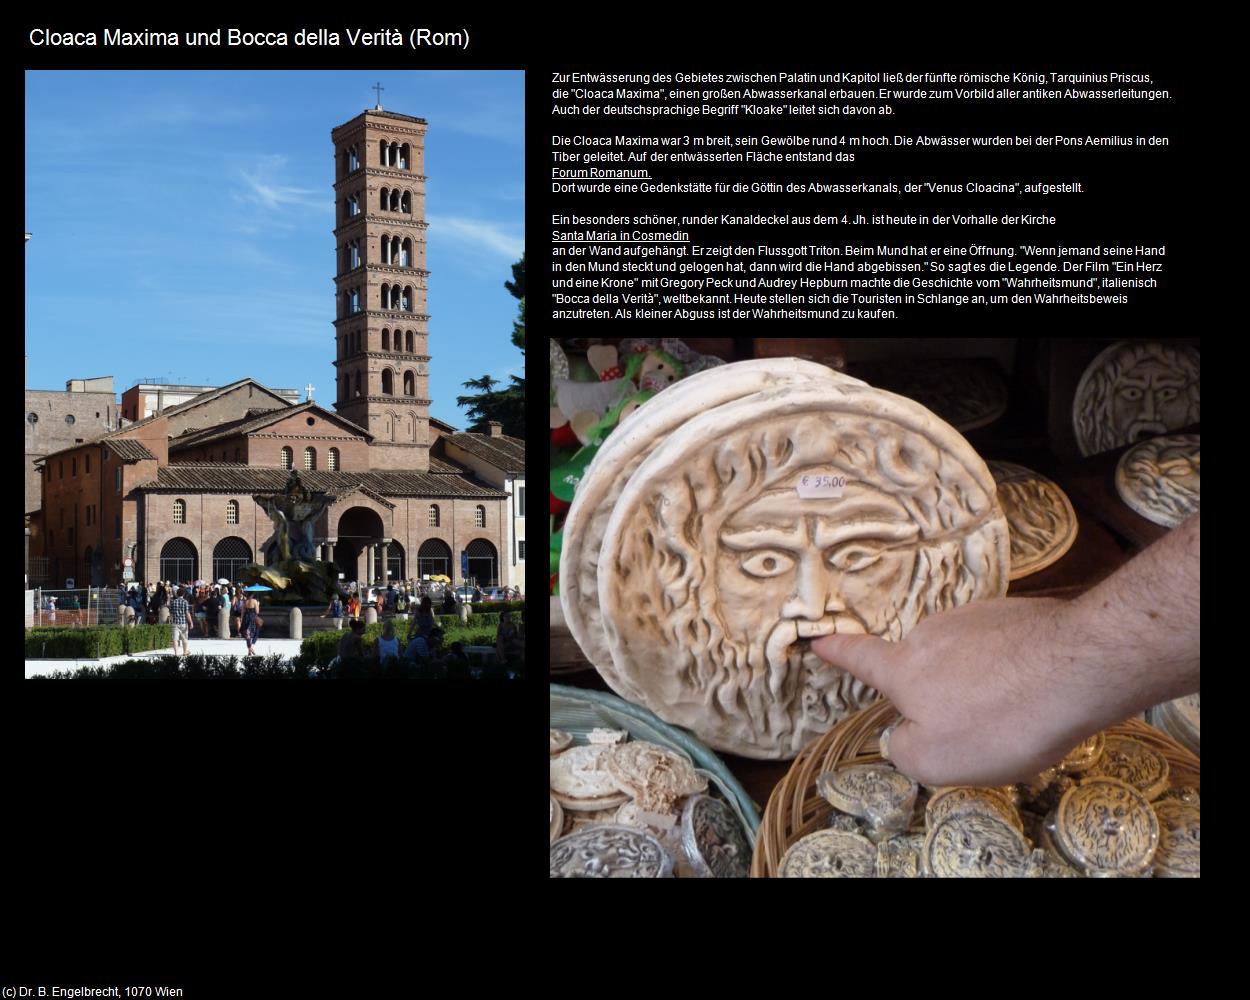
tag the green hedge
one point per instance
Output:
(322, 647)
(269, 668)
(95, 642)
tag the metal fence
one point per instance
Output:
(75, 608)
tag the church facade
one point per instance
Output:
(169, 497)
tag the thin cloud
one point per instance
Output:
(477, 233)
(265, 188)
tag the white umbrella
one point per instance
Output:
(223, 581)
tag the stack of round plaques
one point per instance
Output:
(634, 798)
(752, 508)
(1124, 803)
(1107, 810)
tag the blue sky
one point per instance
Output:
(182, 224)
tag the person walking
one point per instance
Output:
(251, 624)
(425, 622)
(179, 612)
(335, 611)
(449, 601)
(236, 614)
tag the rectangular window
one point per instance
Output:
(117, 527)
(60, 472)
(119, 479)
(520, 502)
(520, 548)
(73, 467)
(87, 460)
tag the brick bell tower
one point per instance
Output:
(382, 364)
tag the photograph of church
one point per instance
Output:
(161, 489)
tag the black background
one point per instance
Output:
(132, 795)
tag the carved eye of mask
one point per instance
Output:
(1131, 393)
(854, 557)
(766, 563)
(1167, 395)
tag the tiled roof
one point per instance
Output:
(505, 453)
(223, 477)
(256, 422)
(128, 450)
(440, 467)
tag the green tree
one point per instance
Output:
(517, 287)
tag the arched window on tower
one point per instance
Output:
(386, 249)
(384, 199)
(358, 383)
(394, 151)
(355, 300)
(394, 201)
(403, 157)
(332, 460)
(353, 158)
(382, 153)
(353, 255)
(388, 382)
(407, 301)
(386, 340)
(288, 458)
(405, 204)
(310, 460)
(409, 384)
(405, 254)
(408, 341)
(353, 205)
(395, 250)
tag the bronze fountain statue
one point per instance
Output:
(298, 577)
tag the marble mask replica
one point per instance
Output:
(727, 553)
(1133, 391)
(1161, 478)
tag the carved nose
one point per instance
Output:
(811, 594)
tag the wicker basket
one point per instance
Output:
(795, 809)
(577, 712)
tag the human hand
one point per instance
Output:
(986, 690)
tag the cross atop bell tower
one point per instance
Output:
(382, 328)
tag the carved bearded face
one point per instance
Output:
(821, 566)
(1150, 398)
(721, 573)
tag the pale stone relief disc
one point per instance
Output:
(1132, 391)
(1041, 863)
(621, 455)
(961, 798)
(725, 556)
(876, 792)
(664, 827)
(1180, 849)
(653, 776)
(974, 843)
(560, 741)
(1180, 719)
(830, 854)
(1107, 827)
(1040, 517)
(580, 780)
(1134, 763)
(1161, 478)
(609, 852)
(964, 394)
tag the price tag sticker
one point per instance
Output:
(821, 487)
